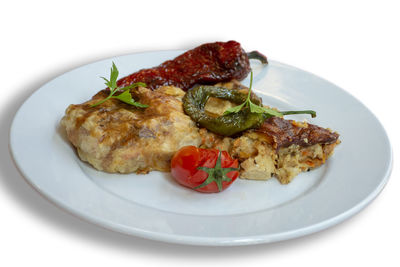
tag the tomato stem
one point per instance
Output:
(217, 174)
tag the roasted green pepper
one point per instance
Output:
(249, 114)
(195, 100)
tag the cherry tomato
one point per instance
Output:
(204, 170)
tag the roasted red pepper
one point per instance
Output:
(206, 64)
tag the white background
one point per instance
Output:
(354, 44)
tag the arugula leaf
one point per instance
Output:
(125, 96)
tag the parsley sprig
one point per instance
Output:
(125, 96)
(263, 110)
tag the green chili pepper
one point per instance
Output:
(248, 115)
(227, 125)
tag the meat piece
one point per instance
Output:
(283, 133)
(206, 64)
(116, 137)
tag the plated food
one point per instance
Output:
(154, 206)
(141, 121)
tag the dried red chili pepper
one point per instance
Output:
(206, 64)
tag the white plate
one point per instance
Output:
(154, 206)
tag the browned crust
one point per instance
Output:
(283, 133)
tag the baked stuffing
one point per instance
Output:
(116, 137)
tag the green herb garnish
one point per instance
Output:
(263, 110)
(125, 96)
